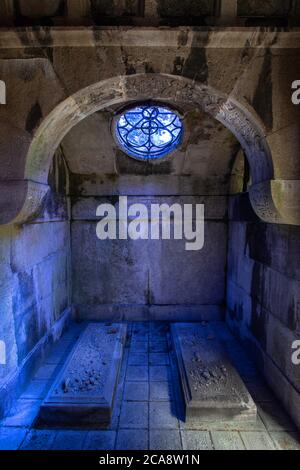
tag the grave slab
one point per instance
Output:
(84, 390)
(211, 386)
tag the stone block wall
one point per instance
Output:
(34, 278)
(263, 301)
(148, 279)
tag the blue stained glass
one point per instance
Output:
(149, 132)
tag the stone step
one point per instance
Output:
(211, 386)
(83, 392)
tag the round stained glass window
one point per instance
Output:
(149, 132)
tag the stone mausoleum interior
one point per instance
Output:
(124, 343)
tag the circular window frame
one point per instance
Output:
(114, 129)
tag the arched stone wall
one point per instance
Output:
(168, 88)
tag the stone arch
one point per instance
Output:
(239, 120)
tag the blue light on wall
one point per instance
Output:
(149, 132)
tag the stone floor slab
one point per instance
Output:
(100, 440)
(45, 372)
(254, 440)
(36, 390)
(159, 373)
(163, 415)
(39, 440)
(137, 373)
(136, 391)
(158, 346)
(135, 439)
(193, 440)
(161, 391)
(58, 355)
(139, 346)
(165, 440)
(226, 440)
(134, 415)
(138, 359)
(69, 440)
(23, 414)
(286, 440)
(11, 438)
(158, 359)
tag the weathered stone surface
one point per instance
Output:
(257, 441)
(154, 12)
(135, 185)
(23, 414)
(279, 347)
(34, 283)
(34, 90)
(11, 438)
(283, 389)
(134, 415)
(163, 415)
(9, 361)
(195, 434)
(212, 387)
(176, 9)
(84, 208)
(69, 440)
(120, 274)
(164, 439)
(15, 379)
(262, 299)
(100, 440)
(111, 271)
(285, 114)
(112, 312)
(133, 439)
(83, 393)
(38, 440)
(206, 265)
(89, 148)
(286, 440)
(175, 313)
(239, 307)
(223, 440)
(35, 242)
(257, 8)
(269, 244)
(31, 8)
(196, 440)
(90, 137)
(281, 296)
